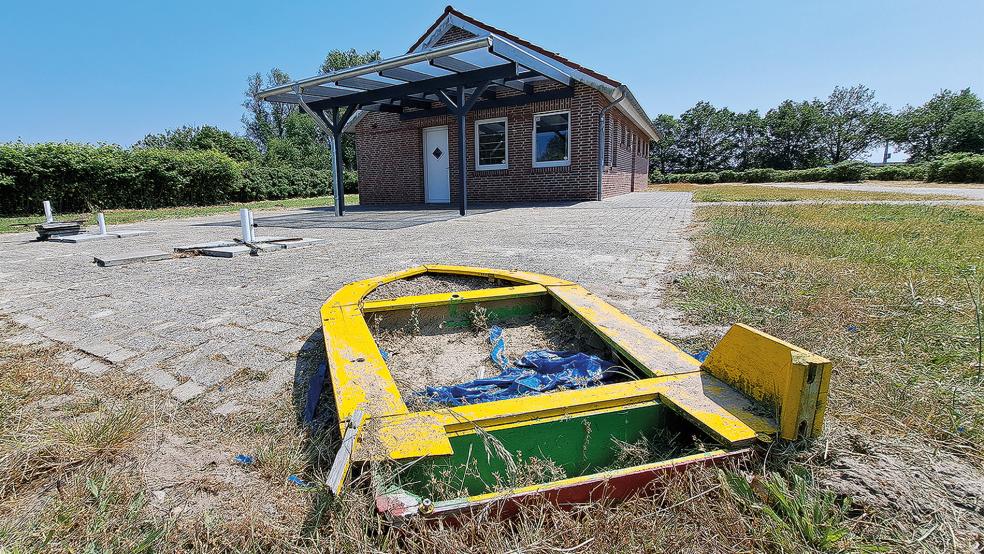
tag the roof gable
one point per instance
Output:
(453, 20)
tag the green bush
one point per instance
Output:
(758, 175)
(848, 171)
(728, 176)
(81, 177)
(350, 181)
(907, 172)
(956, 168)
(812, 175)
(704, 178)
(275, 183)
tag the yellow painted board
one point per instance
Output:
(628, 337)
(724, 414)
(409, 436)
(721, 411)
(360, 378)
(524, 277)
(354, 292)
(444, 298)
(789, 380)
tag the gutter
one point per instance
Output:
(601, 134)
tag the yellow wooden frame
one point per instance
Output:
(711, 397)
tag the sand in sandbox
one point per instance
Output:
(437, 357)
(433, 283)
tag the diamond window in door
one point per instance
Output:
(437, 152)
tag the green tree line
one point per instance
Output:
(847, 124)
(281, 154)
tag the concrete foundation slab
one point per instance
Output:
(130, 233)
(130, 258)
(298, 243)
(89, 237)
(226, 251)
(83, 237)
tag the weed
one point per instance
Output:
(478, 317)
(793, 510)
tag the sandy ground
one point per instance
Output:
(432, 284)
(439, 357)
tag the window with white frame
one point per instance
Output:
(492, 144)
(552, 139)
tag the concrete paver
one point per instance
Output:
(200, 320)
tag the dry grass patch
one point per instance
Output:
(135, 471)
(886, 292)
(768, 193)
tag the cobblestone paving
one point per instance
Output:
(223, 331)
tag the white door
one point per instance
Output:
(437, 178)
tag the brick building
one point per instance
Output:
(532, 126)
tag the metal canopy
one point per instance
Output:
(461, 76)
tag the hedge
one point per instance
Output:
(950, 168)
(956, 168)
(80, 177)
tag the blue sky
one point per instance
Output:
(113, 71)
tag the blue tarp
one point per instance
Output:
(537, 371)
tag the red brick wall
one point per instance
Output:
(454, 34)
(626, 156)
(390, 157)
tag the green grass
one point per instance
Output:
(884, 291)
(887, 293)
(20, 224)
(759, 193)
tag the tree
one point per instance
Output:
(922, 131)
(793, 135)
(664, 154)
(337, 60)
(850, 122)
(205, 137)
(705, 137)
(301, 144)
(343, 59)
(264, 120)
(749, 139)
(965, 133)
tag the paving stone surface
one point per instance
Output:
(231, 329)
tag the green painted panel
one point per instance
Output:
(576, 445)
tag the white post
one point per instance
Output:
(252, 227)
(48, 218)
(102, 223)
(246, 224)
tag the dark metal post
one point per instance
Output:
(462, 153)
(338, 186)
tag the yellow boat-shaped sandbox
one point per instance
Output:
(751, 387)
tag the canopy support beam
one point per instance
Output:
(333, 126)
(459, 107)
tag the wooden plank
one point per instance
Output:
(401, 437)
(634, 341)
(343, 459)
(443, 298)
(360, 378)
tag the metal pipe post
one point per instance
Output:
(48, 217)
(101, 221)
(462, 153)
(246, 225)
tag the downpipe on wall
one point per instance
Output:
(601, 136)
